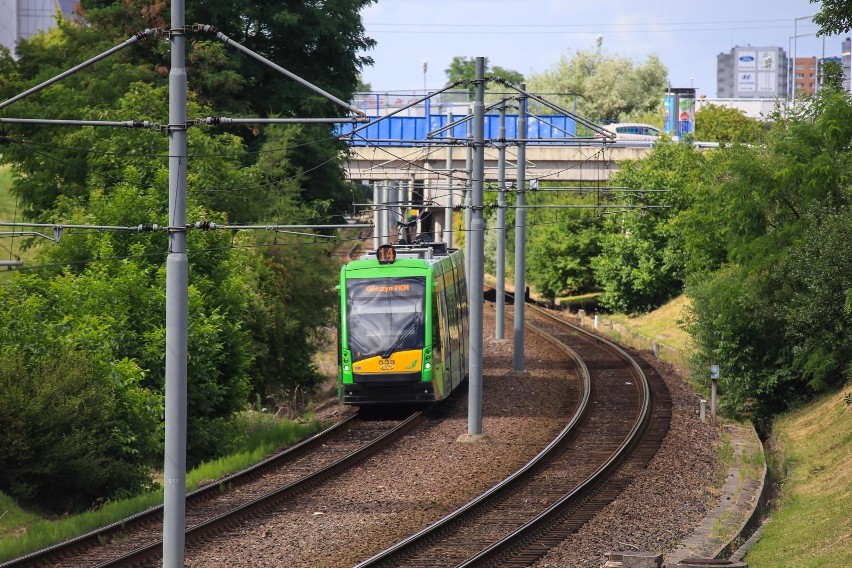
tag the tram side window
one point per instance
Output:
(452, 314)
(437, 321)
(339, 338)
(462, 300)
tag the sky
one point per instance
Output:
(531, 36)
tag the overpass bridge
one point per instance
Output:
(433, 164)
(422, 159)
(433, 180)
(428, 141)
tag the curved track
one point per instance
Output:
(138, 539)
(622, 419)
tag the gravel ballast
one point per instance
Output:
(431, 473)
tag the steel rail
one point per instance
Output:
(532, 530)
(238, 514)
(154, 514)
(536, 527)
(582, 409)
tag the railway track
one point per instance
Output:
(515, 522)
(137, 540)
(621, 422)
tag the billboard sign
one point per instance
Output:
(686, 114)
(766, 60)
(767, 83)
(746, 82)
(670, 113)
(679, 111)
(747, 60)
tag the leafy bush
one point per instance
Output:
(560, 253)
(296, 285)
(63, 429)
(714, 123)
(734, 322)
(819, 311)
(642, 262)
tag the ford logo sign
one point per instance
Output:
(747, 58)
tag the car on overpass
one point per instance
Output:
(634, 131)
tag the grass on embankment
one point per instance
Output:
(811, 452)
(23, 531)
(661, 325)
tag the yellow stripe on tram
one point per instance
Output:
(399, 362)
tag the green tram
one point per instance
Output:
(403, 325)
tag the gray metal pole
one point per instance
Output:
(520, 237)
(177, 301)
(228, 41)
(377, 220)
(476, 236)
(714, 389)
(385, 212)
(448, 211)
(499, 331)
(402, 195)
(393, 210)
(380, 216)
(793, 67)
(52, 122)
(468, 168)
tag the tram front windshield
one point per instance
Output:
(385, 315)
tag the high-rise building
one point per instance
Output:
(23, 18)
(805, 75)
(752, 72)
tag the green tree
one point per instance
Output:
(231, 286)
(834, 16)
(641, 264)
(298, 303)
(119, 279)
(464, 68)
(99, 295)
(611, 88)
(733, 322)
(70, 433)
(561, 243)
(321, 43)
(819, 313)
(776, 313)
(714, 123)
(47, 162)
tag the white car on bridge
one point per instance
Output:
(627, 131)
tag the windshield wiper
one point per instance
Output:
(401, 338)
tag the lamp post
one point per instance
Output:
(795, 38)
(425, 68)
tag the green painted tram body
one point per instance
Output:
(403, 325)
